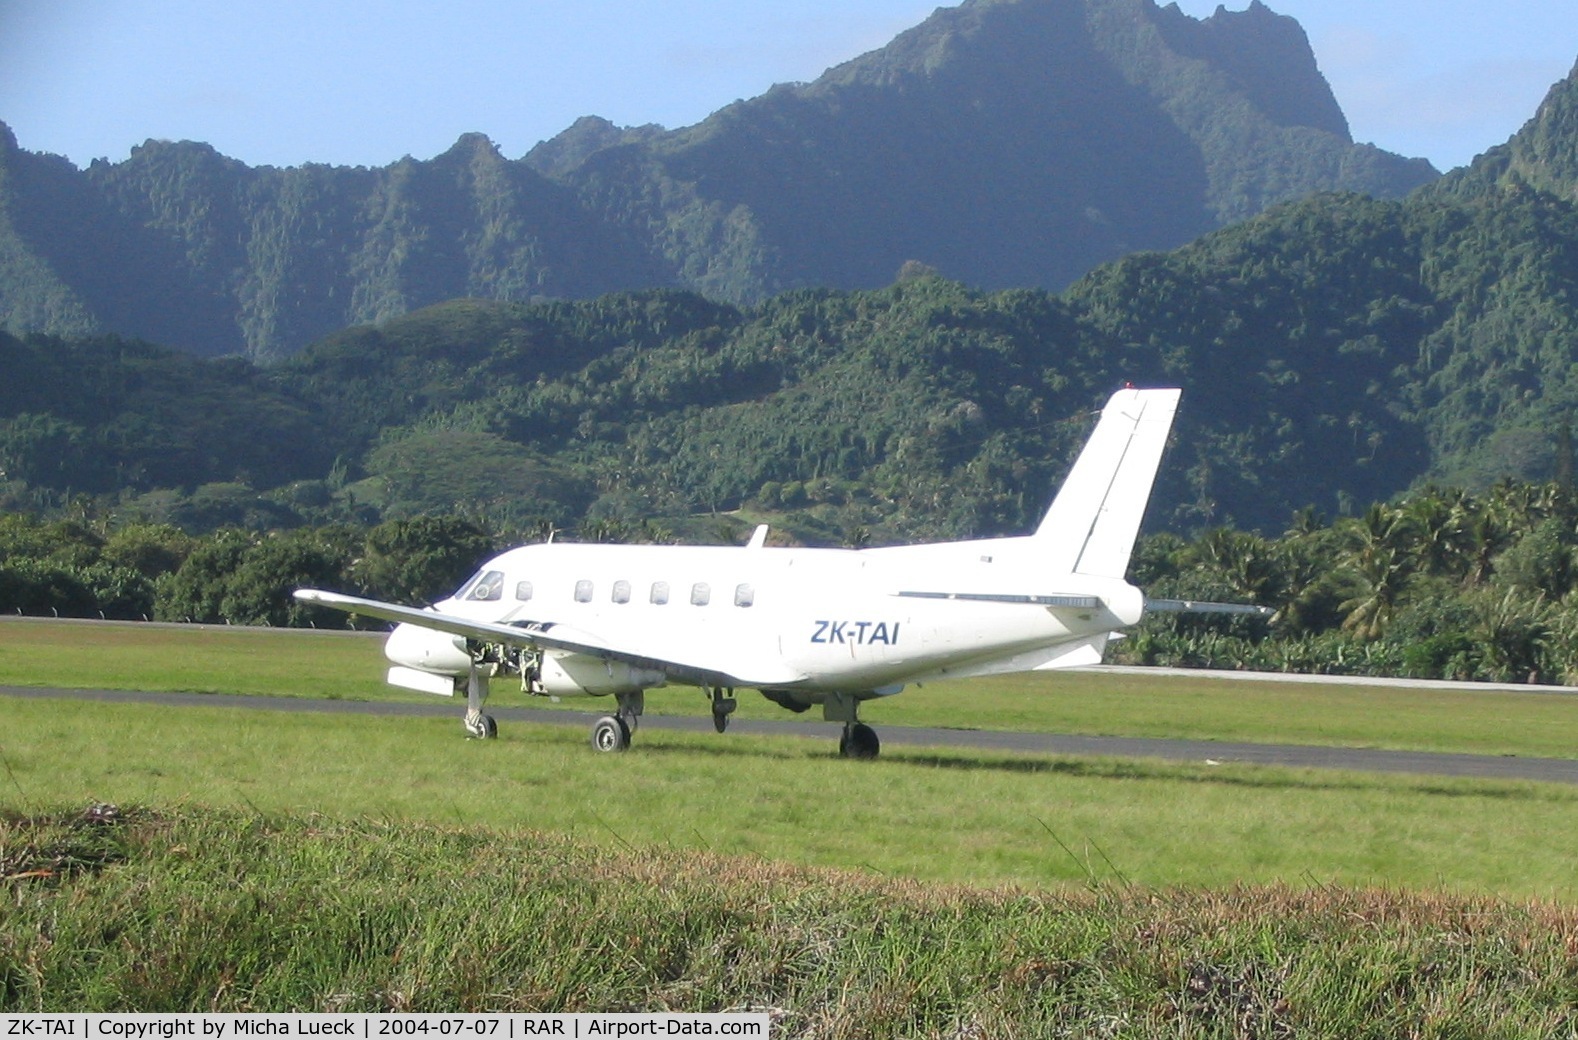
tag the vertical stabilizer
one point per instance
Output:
(1093, 522)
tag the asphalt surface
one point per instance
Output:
(1547, 770)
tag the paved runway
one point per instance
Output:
(1549, 770)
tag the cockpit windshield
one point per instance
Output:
(483, 586)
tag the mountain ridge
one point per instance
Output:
(1332, 350)
(1003, 143)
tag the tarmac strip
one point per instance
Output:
(1209, 752)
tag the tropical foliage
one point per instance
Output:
(1333, 352)
(1441, 584)
(137, 571)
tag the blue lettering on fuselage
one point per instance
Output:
(856, 633)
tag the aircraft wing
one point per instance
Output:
(551, 636)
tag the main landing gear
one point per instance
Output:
(858, 739)
(723, 705)
(612, 732)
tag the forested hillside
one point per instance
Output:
(1332, 351)
(1003, 143)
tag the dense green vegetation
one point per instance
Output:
(1442, 584)
(200, 910)
(1003, 143)
(158, 572)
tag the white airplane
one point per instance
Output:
(829, 627)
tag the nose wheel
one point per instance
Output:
(479, 726)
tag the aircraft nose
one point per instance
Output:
(416, 647)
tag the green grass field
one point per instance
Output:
(937, 815)
(351, 666)
(934, 814)
(294, 861)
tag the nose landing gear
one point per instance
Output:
(478, 725)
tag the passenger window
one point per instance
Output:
(583, 591)
(744, 595)
(621, 592)
(489, 586)
(700, 594)
(523, 590)
(660, 592)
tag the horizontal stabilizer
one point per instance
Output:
(1055, 600)
(1197, 606)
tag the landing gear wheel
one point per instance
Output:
(859, 741)
(482, 727)
(723, 705)
(610, 733)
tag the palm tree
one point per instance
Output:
(1517, 631)
(1440, 522)
(1381, 557)
(1244, 562)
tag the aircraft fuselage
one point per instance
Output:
(811, 620)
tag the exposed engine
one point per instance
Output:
(795, 702)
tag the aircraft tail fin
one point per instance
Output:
(1093, 521)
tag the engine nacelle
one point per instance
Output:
(427, 650)
(580, 675)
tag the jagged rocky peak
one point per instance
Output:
(1256, 53)
(570, 147)
(1545, 150)
(1269, 57)
(473, 143)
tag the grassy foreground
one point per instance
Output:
(367, 863)
(931, 814)
(205, 910)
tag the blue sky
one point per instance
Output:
(360, 83)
